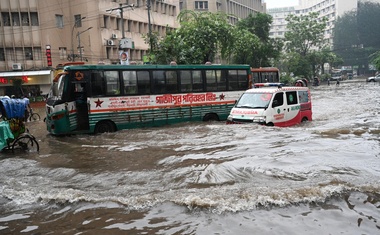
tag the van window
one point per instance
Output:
(291, 97)
(278, 100)
(303, 96)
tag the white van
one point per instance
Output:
(273, 105)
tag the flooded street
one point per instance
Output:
(206, 178)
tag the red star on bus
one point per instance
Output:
(98, 103)
(221, 97)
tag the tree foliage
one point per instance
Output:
(260, 48)
(305, 33)
(356, 36)
(203, 36)
(303, 40)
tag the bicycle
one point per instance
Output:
(15, 136)
(34, 116)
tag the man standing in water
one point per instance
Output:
(28, 109)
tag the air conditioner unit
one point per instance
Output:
(110, 43)
(114, 36)
(16, 66)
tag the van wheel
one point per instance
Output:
(270, 124)
(210, 117)
(304, 119)
(104, 126)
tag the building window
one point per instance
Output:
(19, 54)
(24, 19)
(37, 53)
(2, 54)
(34, 18)
(28, 53)
(62, 53)
(15, 19)
(6, 19)
(201, 5)
(10, 54)
(106, 19)
(78, 21)
(59, 21)
(118, 23)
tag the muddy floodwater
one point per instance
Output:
(321, 177)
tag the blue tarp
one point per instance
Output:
(12, 108)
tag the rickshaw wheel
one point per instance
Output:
(25, 143)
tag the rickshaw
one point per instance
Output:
(14, 135)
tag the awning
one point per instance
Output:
(25, 73)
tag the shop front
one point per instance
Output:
(34, 84)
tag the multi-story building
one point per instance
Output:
(238, 9)
(37, 35)
(331, 9)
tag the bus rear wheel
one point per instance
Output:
(210, 117)
(104, 126)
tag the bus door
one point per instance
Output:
(81, 104)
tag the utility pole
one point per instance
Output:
(80, 48)
(150, 27)
(121, 9)
(72, 35)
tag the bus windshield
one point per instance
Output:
(266, 74)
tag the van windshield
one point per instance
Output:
(254, 100)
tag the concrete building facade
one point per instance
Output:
(238, 9)
(38, 35)
(331, 9)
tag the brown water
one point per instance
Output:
(206, 178)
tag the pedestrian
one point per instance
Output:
(328, 81)
(337, 82)
(28, 109)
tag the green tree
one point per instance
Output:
(356, 36)
(375, 59)
(265, 49)
(200, 38)
(304, 37)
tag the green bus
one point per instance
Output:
(107, 98)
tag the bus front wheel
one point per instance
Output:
(104, 126)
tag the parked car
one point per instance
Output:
(374, 79)
(336, 77)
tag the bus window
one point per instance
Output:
(97, 84)
(112, 81)
(237, 79)
(143, 82)
(291, 97)
(221, 80)
(130, 82)
(158, 85)
(242, 79)
(171, 81)
(186, 85)
(211, 80)
(197, 81)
